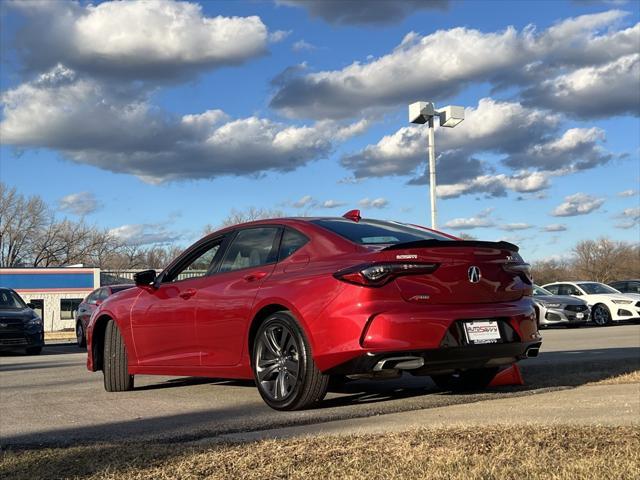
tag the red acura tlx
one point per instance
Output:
(293, 302)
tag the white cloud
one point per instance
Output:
(305, 201)
(373, 203)
(525, 137)
(594, 91)
(463, 56)
(135, 39)
(628, 193)
(117, 129)
(279, 35)
(143, 234)
(630, 217)
(332, 204)
(577, 204)
(554, 227)
(469, 223)
(512, 227)
(81, 203)
(302, 46)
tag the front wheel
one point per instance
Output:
(80, 338)
(116, 365)
(284, 370)
(601, 315)
(467, 381)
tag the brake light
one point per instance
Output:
(523, 270)
(379, 274)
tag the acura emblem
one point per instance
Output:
(474, 274)
(4, 325)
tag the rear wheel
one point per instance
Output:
(115, 367)
(80, 338)
(467, 381)
(284, 370)
(601, 315)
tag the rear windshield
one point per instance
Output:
(377, 232)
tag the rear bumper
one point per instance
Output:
(352, 335)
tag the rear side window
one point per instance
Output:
(251, 248)
(553, 289)
(374, 232)
(292, 241)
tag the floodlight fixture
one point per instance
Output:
(450, 116)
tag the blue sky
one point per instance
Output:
(307, 103)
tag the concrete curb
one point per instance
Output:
(60, 336)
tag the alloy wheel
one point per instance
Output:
(277, 362)
(600, 316)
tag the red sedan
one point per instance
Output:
(293, 302)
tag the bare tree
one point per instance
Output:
(241, 216)
(605, 260)
(21, 220)
(548, 271)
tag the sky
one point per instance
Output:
(156, 118)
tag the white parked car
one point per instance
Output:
(607, 304)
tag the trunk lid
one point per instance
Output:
(468, 271)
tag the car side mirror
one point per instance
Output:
(145, 278)
(31, 306)
(98, 303)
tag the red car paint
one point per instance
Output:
(202, 326)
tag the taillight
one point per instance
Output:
(523, 270)
(379, 274)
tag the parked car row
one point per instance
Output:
(572, 304)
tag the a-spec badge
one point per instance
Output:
(406, 257)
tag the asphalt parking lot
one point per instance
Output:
(52, 399)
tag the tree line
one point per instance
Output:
(32, 235)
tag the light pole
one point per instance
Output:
(450, 116)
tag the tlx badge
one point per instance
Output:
(474, 274)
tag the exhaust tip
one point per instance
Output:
(532, 352)
(399, 363)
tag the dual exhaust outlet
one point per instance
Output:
(413, 363)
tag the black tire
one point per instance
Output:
(290, 380)
(81, 340)
(601, 316)
(33, 350)
(115, 367)
(467, 381)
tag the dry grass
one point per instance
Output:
(463, 453)
(629, 377)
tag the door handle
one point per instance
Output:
(253, 277)
(188, 293)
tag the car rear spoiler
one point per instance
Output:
(453, 243)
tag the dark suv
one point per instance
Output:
(20, 326)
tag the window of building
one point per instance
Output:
(69, 308)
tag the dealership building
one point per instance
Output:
(54, 292)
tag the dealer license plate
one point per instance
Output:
(579, 315)
(482, 331)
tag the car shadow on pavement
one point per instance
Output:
(186, 381)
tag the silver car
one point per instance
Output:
(559, 309)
